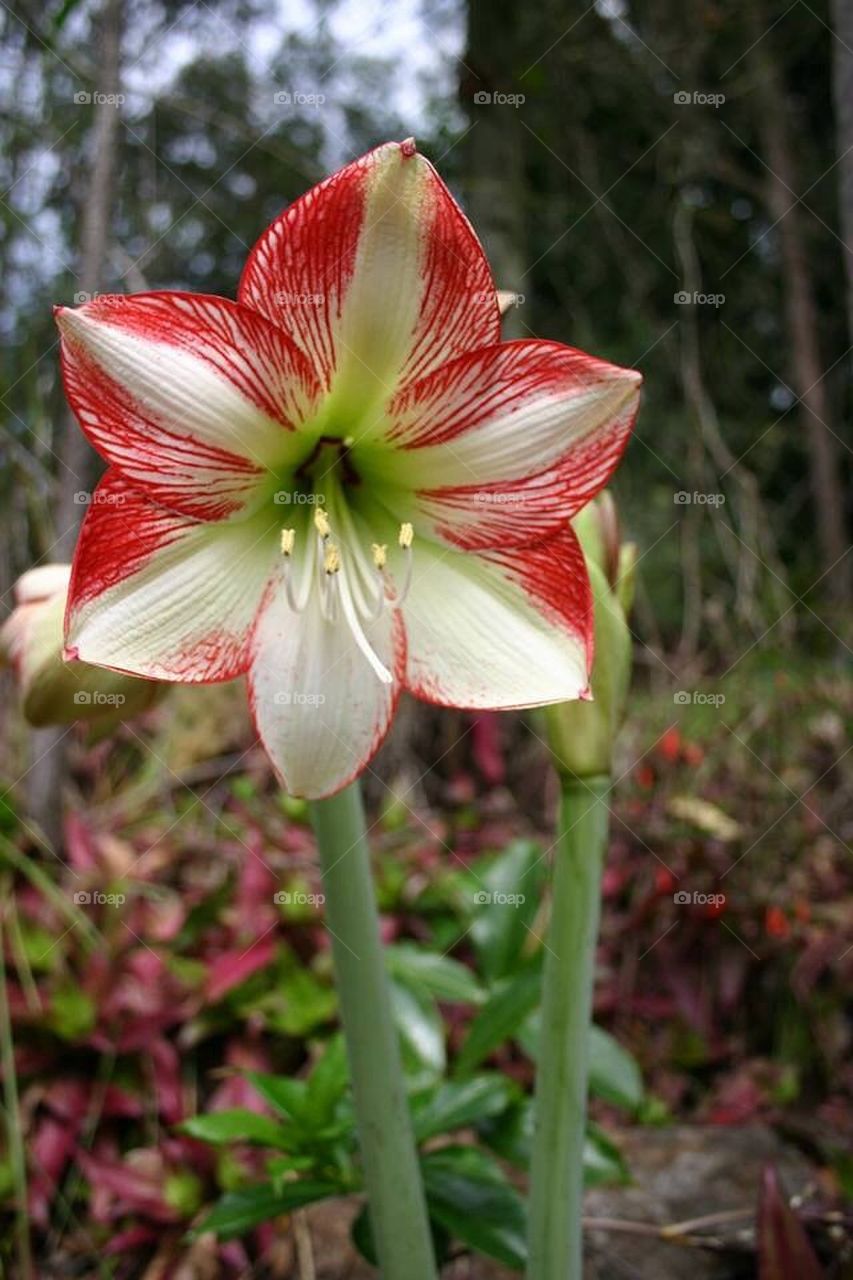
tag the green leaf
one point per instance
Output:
(602, 1160)
(499, 1019)
(421, 1030)
(298, 1006)
(470, 1196)
(455, 1104)
(361, 1234)
(238, 1211)
(441, 976)
(327, 1083)
(510, 1135)
(237, 1125)
(281, 1168)
(283, 1093)
(507, 902)
(72, 1014)
(613, 1072)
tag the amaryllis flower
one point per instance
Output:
(343, 484)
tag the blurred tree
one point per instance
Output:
(842, 79)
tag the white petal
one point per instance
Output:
(195, 399)
(158, 594)
(321, 710)
(499, 629)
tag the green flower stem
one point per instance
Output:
(556, 1170)
(391, 1173)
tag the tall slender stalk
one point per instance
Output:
(556, 1171)
(14, 1138)
(392, 1177)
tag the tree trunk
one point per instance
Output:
(807, 369)
(842, 83)
(79, 467)
(79, 463)
(494, 168)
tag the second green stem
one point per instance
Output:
(556, 1171)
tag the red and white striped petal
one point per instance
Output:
(499, 629)
(377, 275)
(154, 593)
(320, 709)
(504, 444)
(195, 399)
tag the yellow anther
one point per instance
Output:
(288, 539)
(332, 559)
(380, 554)
(321, 523)
(406, 535)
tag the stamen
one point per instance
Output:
(321, 523)
(332, 559)
(297, 598)
(380, 554)
(406, 536)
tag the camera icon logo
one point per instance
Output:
(681, 498)
(82, 98)
(282, 898)
(482, 898)
(283, 98)
(681, 99)
(682, 298)
(682, 698)
(282, 497)
(682, 898)
(482, 98)
(82, 698)
(82, 898)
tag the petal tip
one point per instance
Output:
(408, 148)
(70, 653)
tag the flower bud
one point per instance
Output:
(582, 733)
(53, 691)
